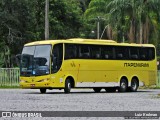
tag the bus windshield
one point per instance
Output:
(35, 60)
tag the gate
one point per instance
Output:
(9, 77)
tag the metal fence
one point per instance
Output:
(9, 77)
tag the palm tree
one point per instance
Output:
(117, 17)
(97, 11)
(138, 12)
(96, 8)
(150, 8)
(132, 18)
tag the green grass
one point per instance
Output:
(9, 87)
(157, 87)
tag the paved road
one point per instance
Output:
(78, 100)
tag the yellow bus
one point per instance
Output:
(87, 63)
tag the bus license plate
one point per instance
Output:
(32, 85)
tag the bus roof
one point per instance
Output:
(87, 41)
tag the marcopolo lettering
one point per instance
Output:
(136, 65)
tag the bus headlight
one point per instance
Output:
(22, 81)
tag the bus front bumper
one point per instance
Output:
(35, 85)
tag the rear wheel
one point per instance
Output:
(67, 88)
(97, 90)
(123, 85)
(134, 85)
(43, 90)
(111, 89)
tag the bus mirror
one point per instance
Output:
(18, 59)
(52, 56)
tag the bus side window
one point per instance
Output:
(107, 52)
(57, 57)
(151, 53)
(121, 53)
(84, 52)
(119, 56)
(143, 53)
(95, 52)
(147, 53)
(134, 53)
(70, 51)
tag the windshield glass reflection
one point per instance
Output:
(35, 60)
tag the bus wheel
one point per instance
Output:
(42, 90)
(67, 88)
(123, 85)
(97, 90)
(111, 89)
(134, 85)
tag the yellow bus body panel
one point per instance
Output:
(88, 73)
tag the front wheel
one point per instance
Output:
(123, 85)
(42, 90)
(67, 88)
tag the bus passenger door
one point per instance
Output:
(57, 57)
(56, 63)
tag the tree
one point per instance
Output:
(138, 12)
(23, 21)
(127, 19)
(84, 4)
(15, 18)
(97, 9)
(65, 19)
(117, 17)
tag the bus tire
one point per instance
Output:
(111, 89)
(134, 85)
(67, 88)
(123, 85)
(43, 90)
(97, 90)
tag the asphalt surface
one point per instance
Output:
(79, 100)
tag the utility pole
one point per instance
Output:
(98, 20)
(47, 20)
